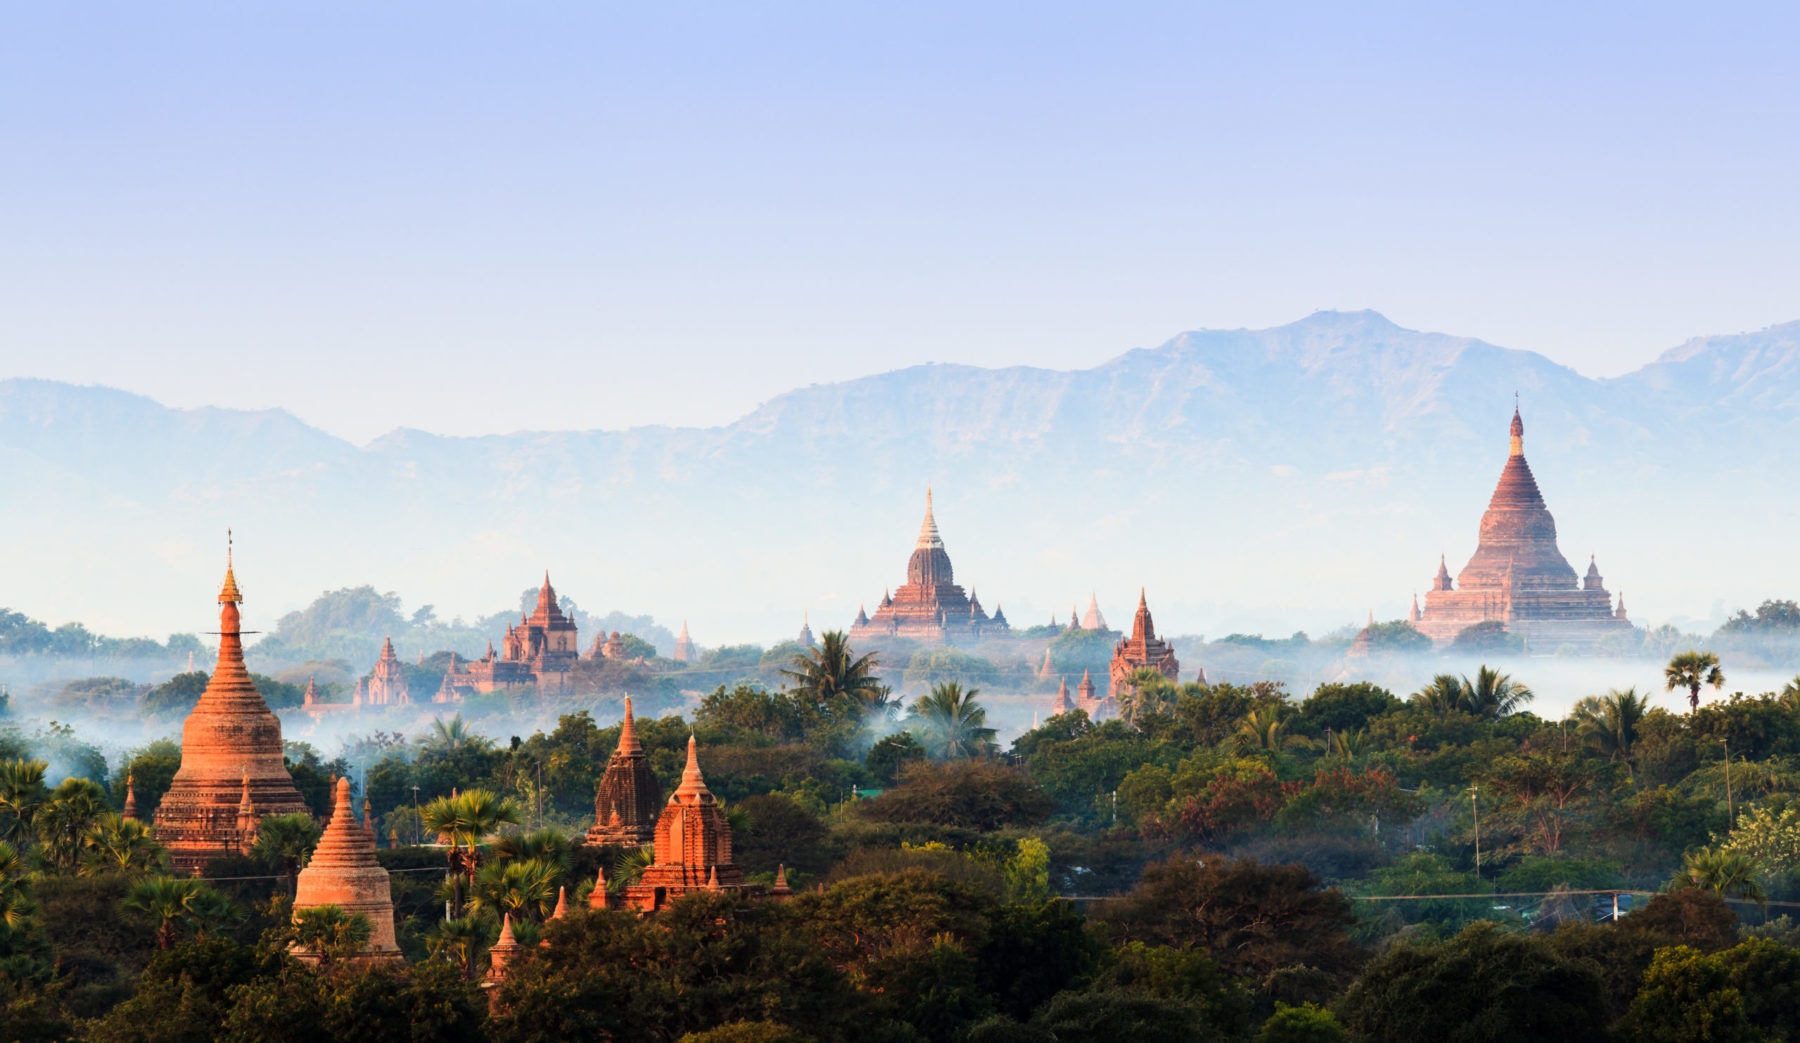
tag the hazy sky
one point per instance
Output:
(474, 218)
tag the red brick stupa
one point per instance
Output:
(232, 770)
(929, 607)
(626, 803)
(1142, 650)
(343, 872)
(693, 846)
(1517, 576)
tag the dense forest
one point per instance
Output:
(1216, 862)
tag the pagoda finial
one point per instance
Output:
(928, 530)
(628, 740)
(1518, 429)
(692, 784)
(229, 590)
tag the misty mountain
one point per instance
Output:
(1250, 479)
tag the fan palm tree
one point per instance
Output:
(22, 793)
(1493, 695)
(1147, 692)
(288, 841)
(1790, 695)
(629, 866)
(832, 675)
(1265, 729)
(116, 844)
(1346, 744)
(332, 932)
(64, 819)
(462, 822)
(1442, 697)
(16, 906)
(525, 888)
(950, 724)
(1693, 671)
(550, 846)
(1724, 873)
(454, 735)
(1610, 722)
(167, 903)
(459, 941)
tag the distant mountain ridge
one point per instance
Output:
(1292, 476)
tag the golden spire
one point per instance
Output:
(229, 592)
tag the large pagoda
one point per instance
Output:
(1517, 576)
(693, 847)
(232, 774)
(625, 804)
(929, 607)
(540, 649)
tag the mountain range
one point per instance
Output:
(1249, 480)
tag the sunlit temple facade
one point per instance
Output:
(929, 607)
(541, 649)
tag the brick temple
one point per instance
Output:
(540, 649)
(387, 685)
(1518, 577)
(232, 774)
(929, 607)
(1143, 650)
(693, 849)
(628, 797)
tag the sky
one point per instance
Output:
(473, 218)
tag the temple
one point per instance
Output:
(929, 607)
(232, 774)
(343, 872)
(387, 685)
(685, 652)
(1143, 650)
(1517, 576)
(626, 802)
(540, 649)
(693, 848)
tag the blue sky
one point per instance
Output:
(472, 218)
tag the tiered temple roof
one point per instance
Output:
(231, 759)
(1517, 576)
(685, 652)
(626, 804)
(1142, 650)
(343, 872)
(387, 686)
(929, 607)
(541, 649)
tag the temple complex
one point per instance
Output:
(626, 803)
(929, 607)
(232, 774)
(540, 649)
(685, 652)
(693, 848)
(1518, 577)
(343, 872)
(387, 686)
(1143, 650)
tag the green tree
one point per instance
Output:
(22, 794)
(120, 845)
(1483, 984)
(1693, 670)
(168, 904)
(1723, 872)
(1303, 1024)
(332, 932)
(950, 724)
(63, 821)
(462, 822)
(835, 679)
(524, 888)
(287, 841)
(1688, 997)
(1610, 722)
(1493, 695)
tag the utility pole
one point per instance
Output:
(1475, 803)
(1730, 804)
(540, 793)
(418, 826)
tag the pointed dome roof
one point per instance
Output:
(1517, 540)
(928, 530)
(1093, 620)
(343, 871)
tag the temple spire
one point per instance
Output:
(229, 590)
(928, 530)
(1518, 432)
(628, 740)
(691, 782)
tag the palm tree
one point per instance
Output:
(62, 821)
(1724, 873)
(1610, 722)
(950, 724)
(1692, 670)
(550, 846)
(16, 906)
(454, 735)
(830, 675)
(332, 932)
(288, 841)
(629, 866)
(524, 888)
(1493, 695)
(463, 822)
(1790, 694)
(116, 844)
(1442, 697)
(458, 940)
(1147, 692)
(1265, 729)
(22, 792)
(1346, 744)
(165, 901)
